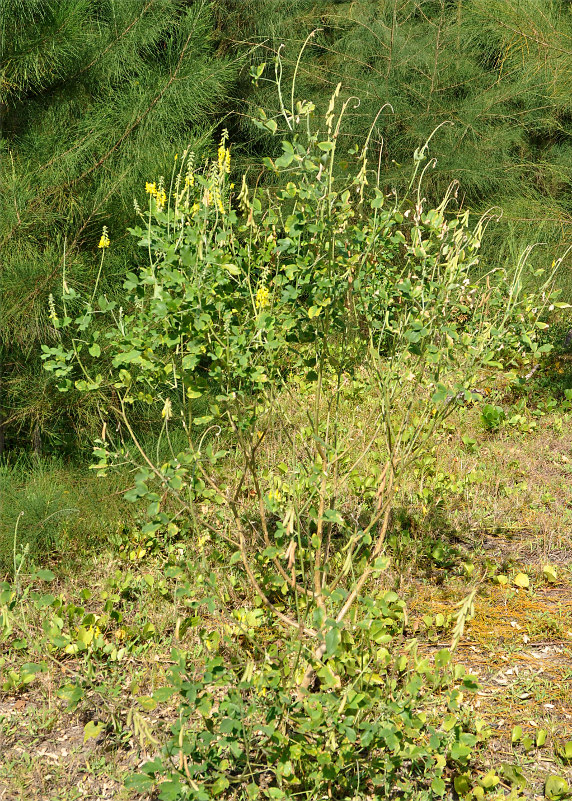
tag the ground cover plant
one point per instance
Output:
(256, 320)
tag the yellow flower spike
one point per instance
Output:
(221, 157)
(263, 297)
(218, 199)
(161, 198)
(151, 188)
(227, 162)
(104, 241)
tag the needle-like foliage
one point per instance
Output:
(94, 98)
(488, 81)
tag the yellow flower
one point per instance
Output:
(151, 189)
(218, 199)
(262, 297)
(161, 198)
(104, 241)
(221, 157)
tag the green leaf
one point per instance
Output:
(220, 785)
(438, 786)
(490, 780)
(566, 751)
(460, 752)
(516, 734)
(514, 775)
(440, 394)
(555, 788)
(233, 269)
(331, 516)
(95, 350)
(45, 575)
(162, 694)
(549, 573)
(442, 658)
(139, 782)
(540, 738)
(462, 784)
(333, 637)
(92, 730)
(449, 722)
(202, 421)
(522, 580)
(381, 564)
(147, 703)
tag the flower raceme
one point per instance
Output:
(161, 198)
(263, 297)
(158, 193)
(224, 155)
(104, 240)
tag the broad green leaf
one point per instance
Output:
(92, 730)
(462, 784)
(521, 580)
(45, 575)
(139, 782)
(555, 788)
(489, 780)
(566, 750)
(333, 637)
(514, 775)
(147, 703)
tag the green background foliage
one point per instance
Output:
(94, 98)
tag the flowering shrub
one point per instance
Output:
(254, 312)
